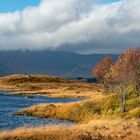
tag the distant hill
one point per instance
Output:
(66, 64)
(4, 70)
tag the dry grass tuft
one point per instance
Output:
(95, 130)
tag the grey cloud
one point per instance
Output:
(74, 25)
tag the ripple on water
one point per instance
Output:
(11, 103)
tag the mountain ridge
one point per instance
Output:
(57, 63)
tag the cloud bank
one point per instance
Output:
(83, 26)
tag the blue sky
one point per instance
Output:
(14, 5)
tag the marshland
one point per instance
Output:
(52, 107)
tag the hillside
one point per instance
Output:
(64, 64)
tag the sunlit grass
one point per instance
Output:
(94, 130)
(101, 113)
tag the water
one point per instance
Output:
(9, 104)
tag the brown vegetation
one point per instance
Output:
(95, 130)
(100, 108)
(48, 86)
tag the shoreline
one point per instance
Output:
(95, 114)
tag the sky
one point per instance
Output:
(83, 26)
(14, 5)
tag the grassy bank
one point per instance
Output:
(99, 117)
(101, 107)
(95, 130)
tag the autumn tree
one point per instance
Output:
(133, 57)
(127, 72)
(102, 71)
(121, 76)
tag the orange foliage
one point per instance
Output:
(103, 68)
(127, 67)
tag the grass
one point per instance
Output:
(48, 85)
(18, 79)
(133, 113)
(92, 111)
(95, 130)
(102, 107)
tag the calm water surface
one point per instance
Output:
(11, 103)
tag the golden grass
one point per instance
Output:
(95, 130)
(22, 78)
(49, 86)
(102, 106)
(102, 111)
(79, 111)
(135, 112)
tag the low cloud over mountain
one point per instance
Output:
(84, 26)
(65, 64)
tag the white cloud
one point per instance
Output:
(85, 25)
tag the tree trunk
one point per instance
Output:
(138, 89)
(124, 100)
(122, 96)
